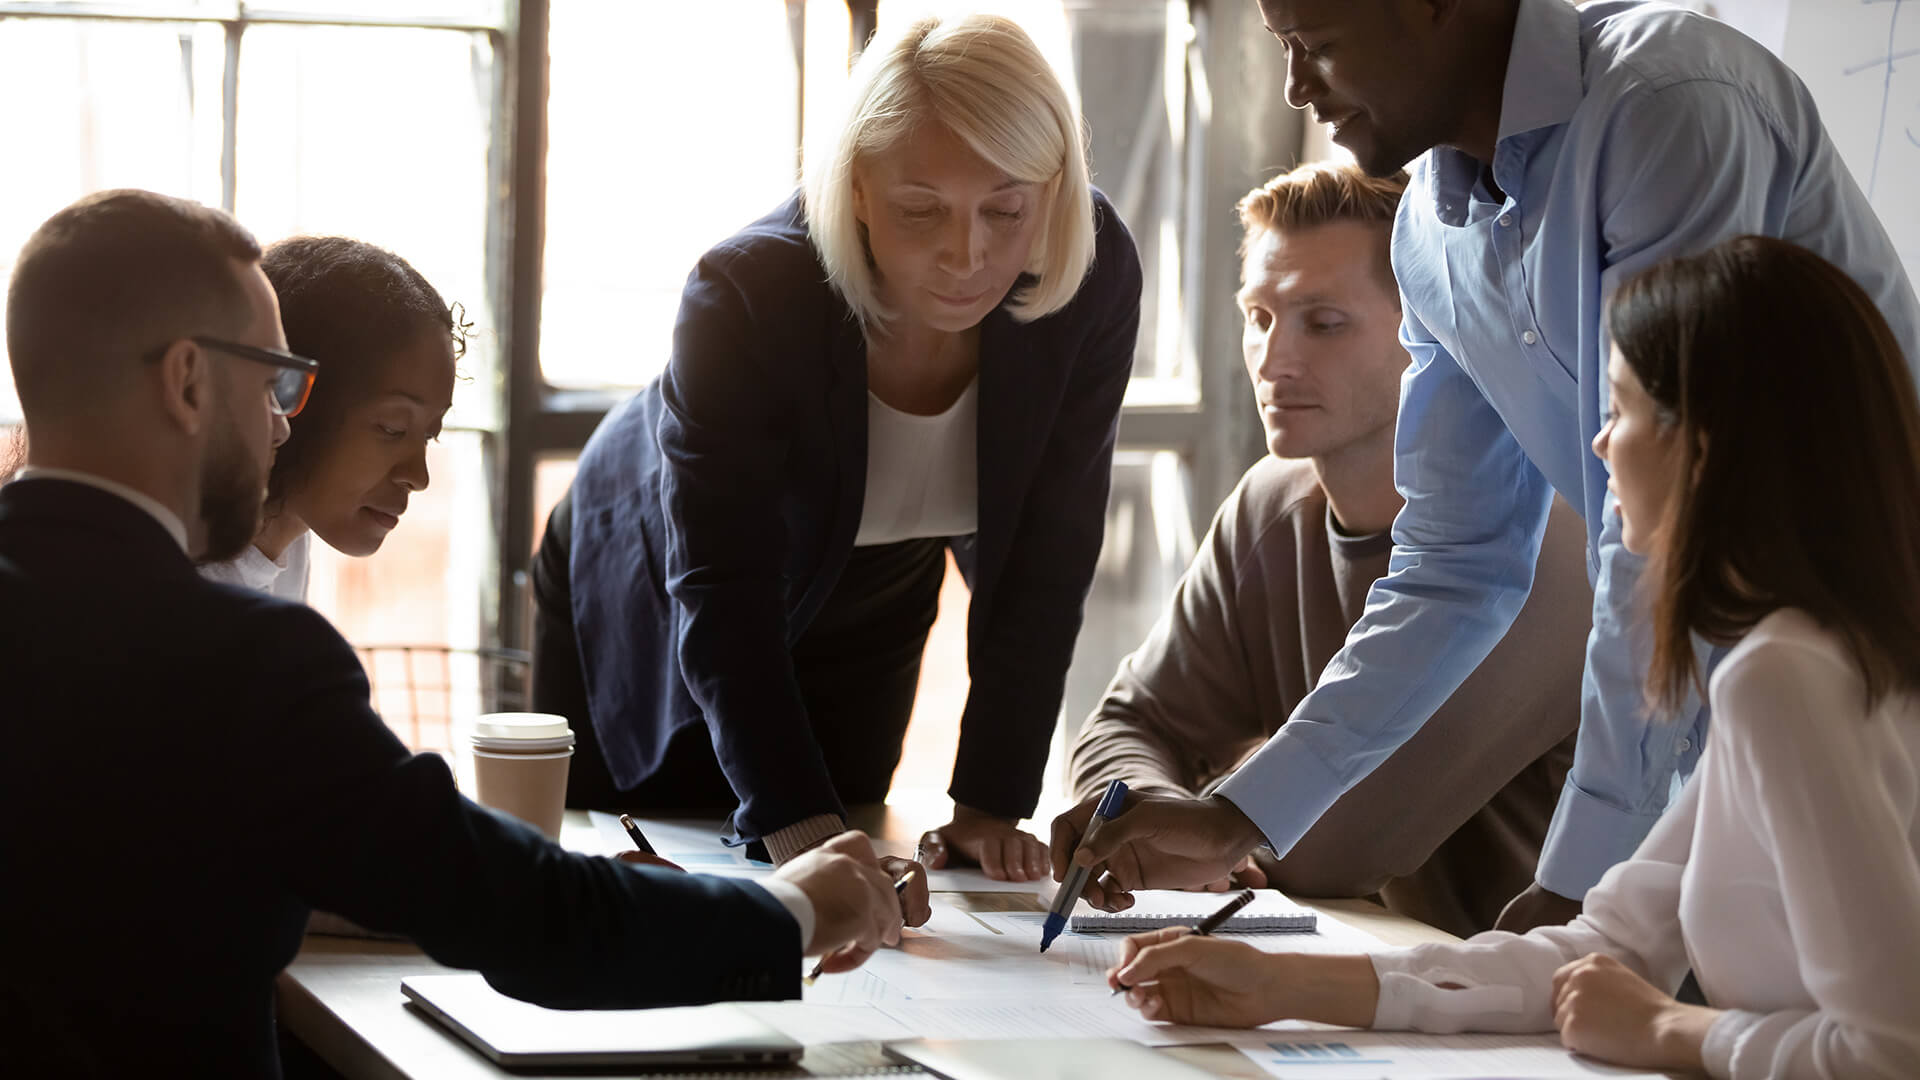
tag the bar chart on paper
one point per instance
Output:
(1370, 1055)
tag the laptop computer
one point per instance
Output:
(516, 1034)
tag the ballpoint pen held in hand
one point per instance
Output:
(1075, 882)
(1216, 920)
(639, 838)
(899, 889)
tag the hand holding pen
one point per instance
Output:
(1079, 869)
(899, 890)
(1207, 926)
(644, 855)
(859, 900)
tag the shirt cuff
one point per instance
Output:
(1723, 1041)
(1283, 789)
(794, 899)
(785, 844)
(1587, 837)
(1411, 998)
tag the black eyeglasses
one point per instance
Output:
(290, 387)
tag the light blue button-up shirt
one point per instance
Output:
(1628, 133)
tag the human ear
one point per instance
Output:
(186, 386)
(860, 212)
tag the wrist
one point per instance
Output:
(1342, 990)
(1241, 830)
(1679, 1032)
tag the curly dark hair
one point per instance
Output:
(351, 306)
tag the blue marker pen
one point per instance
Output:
(1076, 881)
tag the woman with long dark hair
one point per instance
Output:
(1764, 445)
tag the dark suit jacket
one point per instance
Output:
(190, 767)
(714, 511)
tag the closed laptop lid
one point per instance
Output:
(513, 1032)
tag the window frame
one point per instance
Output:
(1217, 436)
(1234, 115)
(235, 17)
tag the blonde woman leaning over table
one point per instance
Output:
(1764, 446)
(924, 351)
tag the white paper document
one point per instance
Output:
(1353, 1055)
(960, 954)
(996, 955)
(974, 879)
(691, 842)
(814, 1024)
(857, 987)
(1079, 1016)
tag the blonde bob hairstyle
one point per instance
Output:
(982, 77)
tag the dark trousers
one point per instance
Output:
(857, 665)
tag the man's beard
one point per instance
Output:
(232, 490)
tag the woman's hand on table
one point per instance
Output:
(1606, 1011)
(997, 844)
(1176, 976)
(1173, 976)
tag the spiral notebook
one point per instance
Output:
(1270, 913)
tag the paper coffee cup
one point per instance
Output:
(520, 765)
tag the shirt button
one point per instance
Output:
(1683, 745)
(1529, 337)
(1506, 220)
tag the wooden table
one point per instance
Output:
(341, 996)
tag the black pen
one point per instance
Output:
(1214, 921)
(899, 889)
(639, 838)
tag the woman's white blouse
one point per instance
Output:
(1787, 876)
(923, 475)
(286, 579)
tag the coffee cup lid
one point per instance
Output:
(517, 726)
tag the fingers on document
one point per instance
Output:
(1036, 857)
(1143, 957)
(1018, 857)
(992, 860)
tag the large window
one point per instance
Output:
(383, 120)
(557, 166)
(650, 162)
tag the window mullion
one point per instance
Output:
(230, 115)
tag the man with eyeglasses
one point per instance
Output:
(189, 767)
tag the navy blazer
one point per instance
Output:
(190, 767)
(714, 511)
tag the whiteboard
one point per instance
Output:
(1861, 60)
